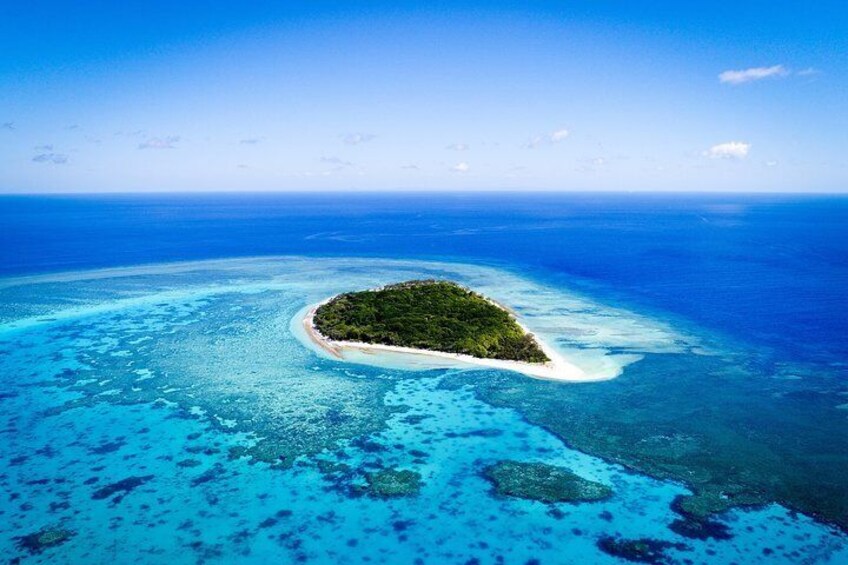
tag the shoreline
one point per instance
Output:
(557, 369)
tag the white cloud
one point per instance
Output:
(771, 163)
(136, 133)
(558, 135)
(728, 150)
(53, 158)
(810, 73)
(752, 74)
(535, 142)
(338, 162)
(358, 138)
(462, 167)
(549, 139)
(250, 141)
(592, 165)
(458, 147)
(410, 167)
(160, 142)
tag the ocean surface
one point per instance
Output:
(157, 403)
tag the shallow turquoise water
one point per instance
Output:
(190, 379)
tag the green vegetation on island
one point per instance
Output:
(429, 314)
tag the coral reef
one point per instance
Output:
(542, 482)
(392, 483)
(43, 539)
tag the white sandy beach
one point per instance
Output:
(557, 369)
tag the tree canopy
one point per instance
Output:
(428, 314)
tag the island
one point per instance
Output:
(440, 319)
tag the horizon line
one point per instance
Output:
(402, 192)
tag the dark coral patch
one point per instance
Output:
(108, 447)
(642, 550)
(188, 463)
(542, 482)
(212, 474)
(120, 488)
(701, 529)
(43, 539)
(393, 483)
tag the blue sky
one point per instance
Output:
(569, 95)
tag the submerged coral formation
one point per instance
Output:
(391, 483)
(707, 433)
(542, 482)
(642, 550)
(44, 539)
(120, 488)
(194, 377)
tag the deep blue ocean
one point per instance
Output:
(766, 268)
(159, 401)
